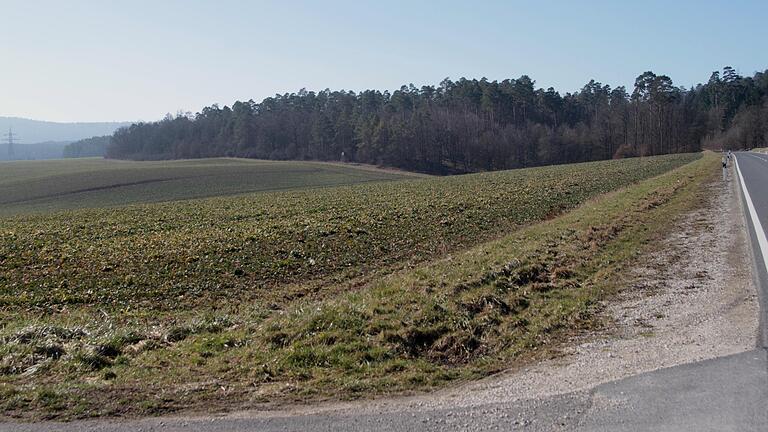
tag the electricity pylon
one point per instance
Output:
(10, 137)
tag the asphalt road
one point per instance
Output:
(753, 170)
(724, 394)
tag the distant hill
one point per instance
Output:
(36, 131)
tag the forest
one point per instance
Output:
(89, 147)
(468, 125)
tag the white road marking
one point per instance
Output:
(756, 156)
(759, 232)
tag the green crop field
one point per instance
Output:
(346, 290)
(44, 186)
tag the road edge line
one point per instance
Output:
(762, 244)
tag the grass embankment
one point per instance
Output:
(466, 315)
(47, 186)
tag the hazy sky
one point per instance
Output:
(130, 60)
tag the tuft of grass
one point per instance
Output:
(89, 359)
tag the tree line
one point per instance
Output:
(88, 147)
(467, 125)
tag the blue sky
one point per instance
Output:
(137, 60)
